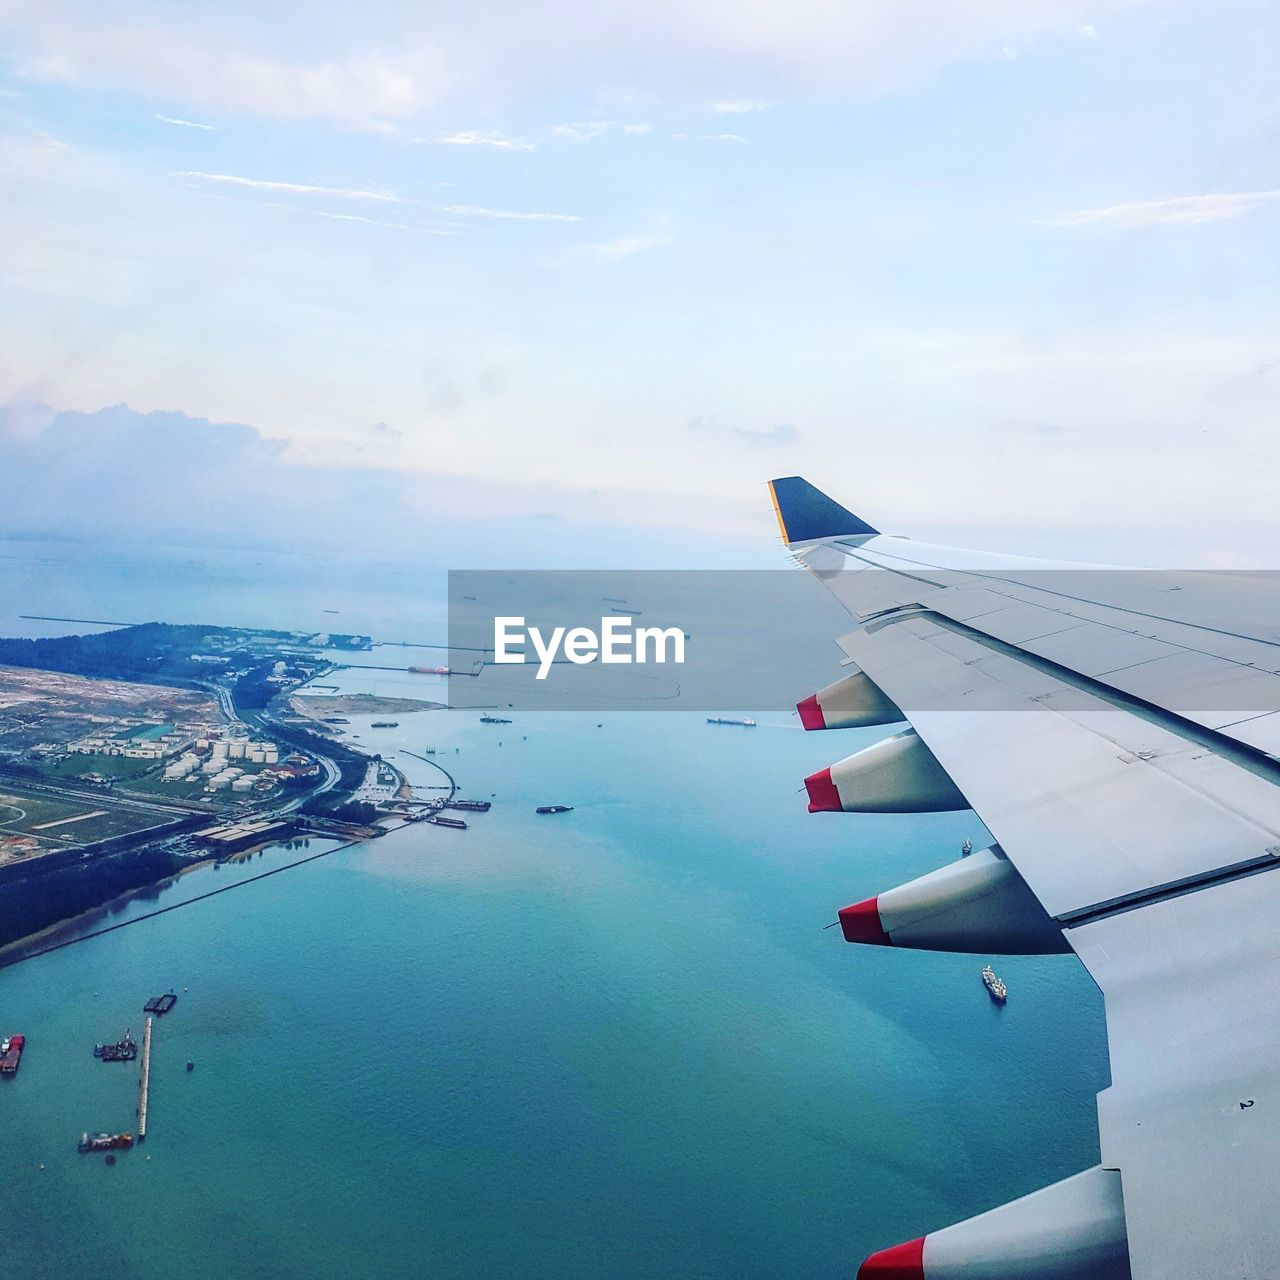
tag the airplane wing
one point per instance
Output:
(1118, 732)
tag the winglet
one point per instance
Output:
(805, 513)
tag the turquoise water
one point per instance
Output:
(616, 1042)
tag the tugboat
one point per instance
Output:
(91, 1142)
(995, 987)
(554, 808)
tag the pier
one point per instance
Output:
(145, 1083)
(453, 786)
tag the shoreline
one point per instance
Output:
(9, 952)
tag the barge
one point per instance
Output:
(160, 1004)
(124, 1050)
(554, 808)
(91, 1142)
(11, 1054)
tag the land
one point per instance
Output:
(316, 706)
(129, 756)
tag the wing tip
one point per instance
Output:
(806, 513)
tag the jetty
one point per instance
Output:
(144, 1083)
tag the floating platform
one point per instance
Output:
(160, 1004)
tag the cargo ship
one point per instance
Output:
(385, 724)
(91, 1142)
(493, 720)
(995, 988)
(554, 808)
(11, 1054)
(743, 724)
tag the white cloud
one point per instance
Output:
(736, 108)
(209, 61)
(626, 246)
(723, 137)
(185, 124)
(583, 131)
(1177, 211)
(478, 211)
(294, 188)
(411, 58)
(487, 138)
(356, 217)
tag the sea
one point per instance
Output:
(617, 1042)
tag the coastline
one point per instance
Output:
(9, 952)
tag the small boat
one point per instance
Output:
(554, 808)
(191, 1066)
(995, 987)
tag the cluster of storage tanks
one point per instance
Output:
(181, 767)
(241, 749)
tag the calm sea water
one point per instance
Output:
(616, 1042)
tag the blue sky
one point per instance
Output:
(993, 272)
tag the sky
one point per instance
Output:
(996, 272)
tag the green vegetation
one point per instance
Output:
(118, 767)
(34, 902)
(360, 812)
(25, 812)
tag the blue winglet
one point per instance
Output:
(805, 513)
